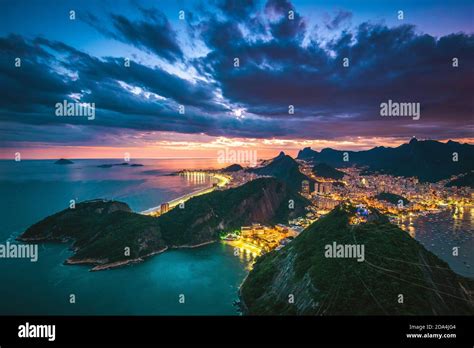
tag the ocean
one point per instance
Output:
(208, 277)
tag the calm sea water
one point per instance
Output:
(442, 232)
(208, 276)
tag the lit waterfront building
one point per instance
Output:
(164, 208)
(264, 237)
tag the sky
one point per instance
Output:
(182, 95)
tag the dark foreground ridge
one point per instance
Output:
(101, 231)
(394, 265)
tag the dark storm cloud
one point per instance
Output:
(384, 63)
(96, 74)
(340, 17)
(286, 27)
(281, 64)
(154, 33)
(237, 9)
(43, 80)
(33, 85)
(279, 7)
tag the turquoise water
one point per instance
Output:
(208, 276)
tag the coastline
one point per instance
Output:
(178, 200)
(193, 246)
(100, 265)
(118, 264)
(185, 197)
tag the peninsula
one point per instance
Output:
(107, 234)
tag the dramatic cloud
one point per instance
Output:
(237, 9)
(154, 33)
(283, 61)
(340, 17)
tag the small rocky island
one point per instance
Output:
(63, 161)
(108, 234)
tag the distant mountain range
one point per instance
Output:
(396, 276)
(285, 169)
(428, 160)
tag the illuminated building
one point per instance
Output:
(164, 208)
(325, 203)
(305, 187)
(322, 188)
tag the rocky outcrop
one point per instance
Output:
(286, 170)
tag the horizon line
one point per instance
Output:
(463, 141)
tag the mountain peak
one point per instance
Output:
(413, 141)
(233, 168)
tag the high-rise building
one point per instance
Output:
(326, 187)
(305, 187)
(322, 187)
